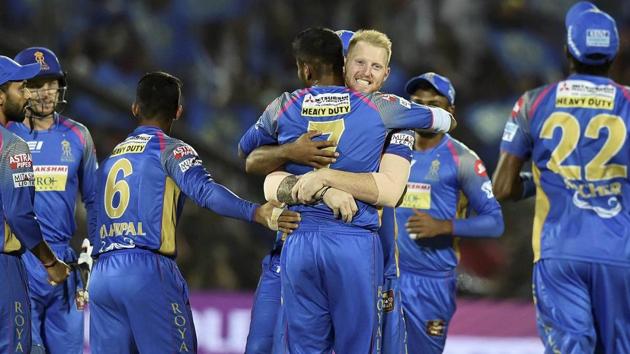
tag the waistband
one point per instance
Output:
(325, 225)
(137, 250)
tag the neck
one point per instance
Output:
(163, 125)
(330, 79)
(40, 123)
(425, 141)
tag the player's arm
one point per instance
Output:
(398, 113)
(183, 165)
(516, 145)
(87, 182)
(474, 182)
(304, 151)
(18, 193)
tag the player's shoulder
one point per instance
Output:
(460, 151)
(177, 148)
(78, 129)
(11, 141)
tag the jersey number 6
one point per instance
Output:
(121, 187)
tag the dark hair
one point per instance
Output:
(319, 47)
(158, 95)
(587, 69)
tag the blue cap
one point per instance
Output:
(50, 66)
(592, 36)
(12, 71)
(577, 9)
(345, 37)
(440, 83)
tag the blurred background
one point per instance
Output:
(234, 57)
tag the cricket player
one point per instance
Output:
(575, 132)
(64, 163)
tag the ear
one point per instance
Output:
(180, 111)
(135, 109)
(387, 74)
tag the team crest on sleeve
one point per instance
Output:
(517, 107)
(326, 104)
(585, 94)
(480, 169)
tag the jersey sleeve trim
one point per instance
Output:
(538, 99)
(292, 101)
(453, 150)
(74, 129)
(363, 98)
(623, 89)
(161, 139)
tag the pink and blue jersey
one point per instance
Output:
(575, 132)
(358, 123)
(443, 182)
(64, 162)
(142, 187)
(20, 228)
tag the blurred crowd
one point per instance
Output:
(234, 57)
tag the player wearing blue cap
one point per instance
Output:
(20, 227)
(576, 133)
(64, 162)
(446, 179)
(349, 254)
(139, 300)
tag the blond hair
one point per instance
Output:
(373, 37)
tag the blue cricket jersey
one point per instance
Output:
(141, 190)
(20, 227)
(575, 132)
(64, 162)
(443, 182)
(358, 123)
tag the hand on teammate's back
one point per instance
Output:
(58, 272)
(342, 204)
(275, 216)
(309, 152)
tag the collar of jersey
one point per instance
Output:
(439, 145)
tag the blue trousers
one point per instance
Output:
(139, 304)
(394, 336)
(15, 312)
(331, 275)
(582, 307)
(56, 322)
(428, 304)
(265, 310)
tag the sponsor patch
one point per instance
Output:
(183, 150)
(403, 139)
(480, 169)
(326, 104)
(23, 179)
(517, 107)
(388, 300)
(436, 328)
(509, 132)
(18, 161)
(597, 38)
(132, 145)
(486, 187)
(418, 196)
(50, 177)
(188, 163)
(585, 94)
(403, 102)
(35, 146)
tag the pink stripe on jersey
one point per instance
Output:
(623, 89)
(160, 136)
(73, 128)
(453, 151)
(530, 113)
(301, 93)
(363, 98)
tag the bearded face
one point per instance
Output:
(16, 100)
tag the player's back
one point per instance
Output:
(357, 123)
(580, 152)
(138, 203)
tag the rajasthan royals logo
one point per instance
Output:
(66, 151)
(434, 172)
(39, 57)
